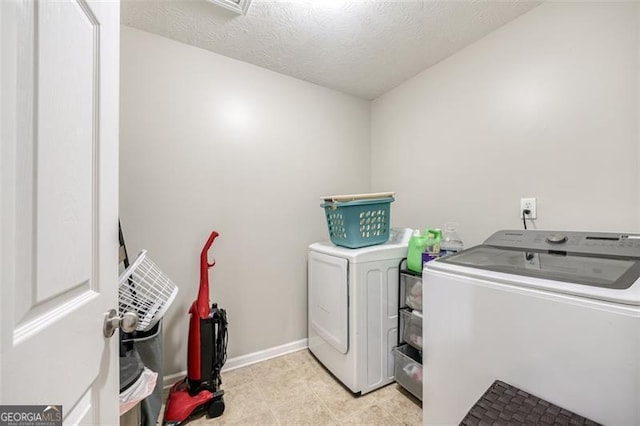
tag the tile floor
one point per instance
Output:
(296, 389)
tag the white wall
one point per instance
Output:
(208, 143)
(546, 107)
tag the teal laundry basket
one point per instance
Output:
(358, 223)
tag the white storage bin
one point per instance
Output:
(408, 369)
(412, 328)
(413, 291)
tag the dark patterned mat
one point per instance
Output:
(506, 405)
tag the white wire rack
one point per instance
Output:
(143, 288)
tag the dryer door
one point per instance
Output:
(329, 299)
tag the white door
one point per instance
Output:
(59, 205)
(329, 299)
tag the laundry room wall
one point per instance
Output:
(546, 107)
(211, 143)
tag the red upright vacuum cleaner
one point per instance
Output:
(200, 391)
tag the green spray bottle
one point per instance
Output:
(417, 244)
(434, 239)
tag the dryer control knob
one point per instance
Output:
(556, 238)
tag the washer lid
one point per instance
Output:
(603, 266)
(598, 271)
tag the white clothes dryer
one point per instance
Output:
(556, 314)
(353, 309)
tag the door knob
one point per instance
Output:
(126, 322)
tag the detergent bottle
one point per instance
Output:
(417, 245)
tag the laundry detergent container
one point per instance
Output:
(358, 220)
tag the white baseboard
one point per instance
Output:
(244, 360)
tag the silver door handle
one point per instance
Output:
(126, 322)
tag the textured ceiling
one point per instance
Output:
(360, 47)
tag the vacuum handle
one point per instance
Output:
(202, 303)
(204, 260)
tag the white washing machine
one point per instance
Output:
(554, 314)
(353, 309)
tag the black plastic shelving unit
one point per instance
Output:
(406, 348)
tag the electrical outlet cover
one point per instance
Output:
(530, 204)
